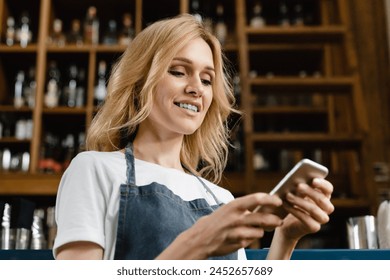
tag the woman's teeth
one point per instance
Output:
(188, 106)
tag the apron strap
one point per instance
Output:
(130, 169)
(217, 201)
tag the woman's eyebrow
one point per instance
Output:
(188, 61)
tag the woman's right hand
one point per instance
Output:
(229, 228)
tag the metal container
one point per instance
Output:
(7, 233)
(362, 232)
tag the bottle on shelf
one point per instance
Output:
(25, 165)
(100, 89)
(127, 33)
(18, 92)
(21, 129)
(91, 27)
(23, 33)
(257, 19)
(53, 86)
(110, 37)
(74, 36)
(195, 10)
(81, 143)
(10, 32)
(284, 19)
(80, 90)
(30, 88)
(297, 17)
(259, 161)
(68, 148)
(48, 162)
(220, 29)
(70, 89)
(57, 37)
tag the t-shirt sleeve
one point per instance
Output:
(81, 203)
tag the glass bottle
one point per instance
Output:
(283, 14)
(18, 93)
(91, 26)
(220, 27)
(70, 89)
(80, 90)
(257, 19)
(297, 18)
(127, 33)
(53, 88)
(57, 37)
(100, 89)
(68, 147)
(195, 10)
(29, 91)
(110, 37)
(24, 34)
(74, 36)
(10, 33)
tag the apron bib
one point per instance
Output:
(152, 216)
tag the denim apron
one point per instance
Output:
(152, 216)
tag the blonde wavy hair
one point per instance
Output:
(132, 85)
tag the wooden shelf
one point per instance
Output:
(317, 84)
(282, 47)
(316, 138)
(18, 49)
(28, 184)
(14, 140)
(321, 32)
(288, 110)
(64, 110)
(13, 109)
(86, 48)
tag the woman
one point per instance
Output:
(141, 191)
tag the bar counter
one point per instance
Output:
(252, 254)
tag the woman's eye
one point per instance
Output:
(176, 73)
(206, 82)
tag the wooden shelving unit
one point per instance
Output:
(325, 46)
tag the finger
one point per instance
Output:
(322, 200)
(311, 224)
(260, 219)
(308, 207)
(251, 201)
(323, 185)
(239, 234)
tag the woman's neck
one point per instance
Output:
(155, 149)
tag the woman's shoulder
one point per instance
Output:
(97, 157)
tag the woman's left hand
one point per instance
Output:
(308, 209)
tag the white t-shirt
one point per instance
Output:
(88, 196)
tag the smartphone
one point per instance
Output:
(303, 172)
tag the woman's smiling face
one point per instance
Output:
(185, 93)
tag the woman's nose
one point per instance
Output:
(194, 88)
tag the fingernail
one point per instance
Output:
(317, 180)
(289, 196)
